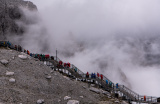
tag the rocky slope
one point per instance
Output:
(24, 80)
(10, 12)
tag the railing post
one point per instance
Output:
(138, 98)
(56, 54)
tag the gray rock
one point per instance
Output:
(66, 97)
(73, 102)
(95, 90)
(51, 71)
(13, 57)
(117, 101)
(59, 100)
(105, 92)
(23, 57)
(92, 85)
(81, 96)
(66, 78)
(123, 102)
(4, 61)
(40, 101)
(12, 80)
(84, 87)
(9, 73)
(48, 77)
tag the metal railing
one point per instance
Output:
(76, 69)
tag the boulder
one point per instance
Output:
(9, 73)
(12, 80)
(73, 102)
(51, 71)
(23, 57)
(123, 102)
(48, 77)
(40, 101)
(4, 61)
(66, 98)
(95, 90)
(66, 78)
(105, 92)
(92, 85)
(117, 102)
(81, 96)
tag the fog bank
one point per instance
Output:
(117, 38)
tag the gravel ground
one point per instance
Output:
(31, 83)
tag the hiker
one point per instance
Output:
(87, 75)
(31, 54)
(60, 63)
(15, 47)
(75, 69)
(107, 82)
(101, 77)
(97, 74)
(64, 64)
(116, 85)
(39, 56)
(28, 52)
(68, 64)
(94, 75)
(9, 44)
(52, 57)
(36, 55)
(144, 98)
(43, 57)
(47, 56)
(24, 51)
(110, 84)
(4, 44)
(20, 48)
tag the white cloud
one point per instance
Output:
(102, 36)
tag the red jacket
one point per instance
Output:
(60, 62)
(97, 74)
(101, 76)
(87, 73)
(46, 56)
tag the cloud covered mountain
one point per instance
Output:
(10, 12)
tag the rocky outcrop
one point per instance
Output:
(10, 11)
